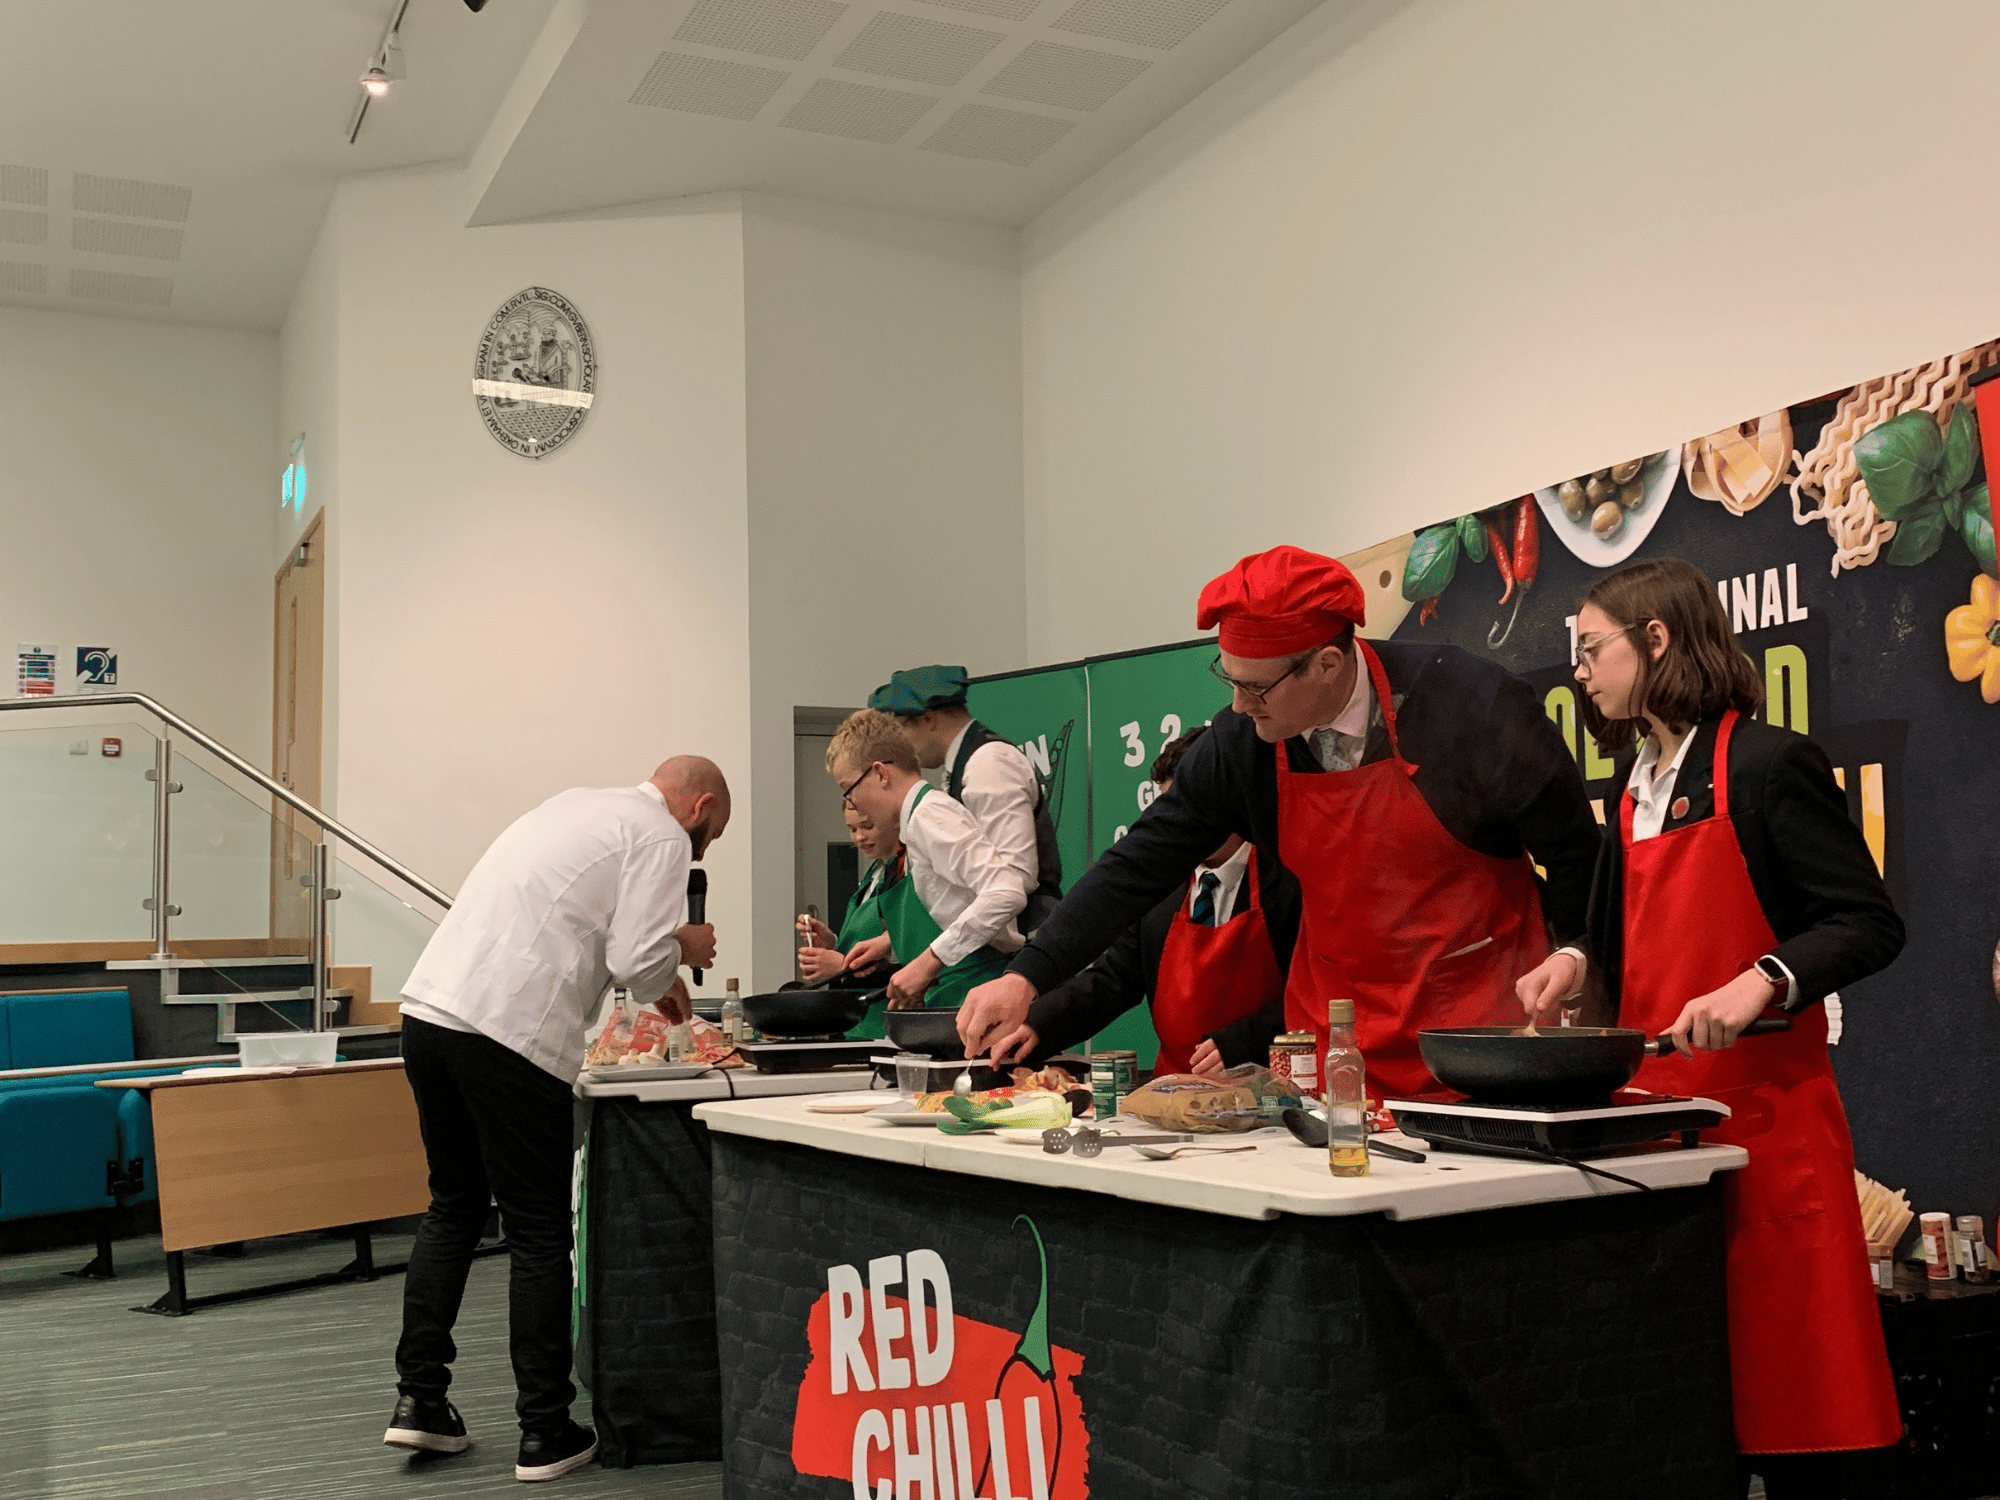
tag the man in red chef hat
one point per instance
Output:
(1411, 790)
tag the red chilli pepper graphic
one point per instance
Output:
(1498, 543)
(1527, 560)
(1030, 1372)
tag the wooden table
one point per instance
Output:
(244, 1156)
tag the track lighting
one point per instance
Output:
(376, 82)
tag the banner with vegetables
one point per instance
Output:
(1851, 540)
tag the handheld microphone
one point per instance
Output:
(697, 904)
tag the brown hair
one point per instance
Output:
(868, 736)
(1703, 671)
(1169, 759)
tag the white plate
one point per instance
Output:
(847, 1104)
(1658, 477)
(900, 1113)
(645, 1072)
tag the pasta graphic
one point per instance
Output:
(1828, 476)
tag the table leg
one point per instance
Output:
(100, 1268)
(174, 1303)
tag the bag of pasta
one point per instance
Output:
(1242, 1098)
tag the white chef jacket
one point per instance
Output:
(1000, 790)
(584, 892)
(969, 890)
(1229, 879)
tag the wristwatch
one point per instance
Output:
(1779, 978)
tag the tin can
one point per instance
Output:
(1974, 1259)
(1294, 1057)
(1937, 1233)
(1113, 1075)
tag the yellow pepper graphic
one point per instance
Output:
(1972, 638)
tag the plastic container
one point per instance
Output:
(1937, 1233)
(266, 1049)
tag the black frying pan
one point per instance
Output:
(1564, 1065)
(808, 1013)
(934, 1033)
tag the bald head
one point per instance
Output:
(697, 795)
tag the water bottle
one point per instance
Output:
(1346, 1094)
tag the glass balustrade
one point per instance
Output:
(76, 832)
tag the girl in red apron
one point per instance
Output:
(1735, 833)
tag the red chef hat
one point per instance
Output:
(1279, 602)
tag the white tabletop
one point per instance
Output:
(717, 1083)
(1279, 1177)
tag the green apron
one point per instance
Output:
(912, 929)
(864, 920)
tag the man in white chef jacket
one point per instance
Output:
(585, 892)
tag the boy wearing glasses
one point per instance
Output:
(1409, 789)
(951, 923)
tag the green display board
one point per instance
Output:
(1091, 730)
(1045, 714)
(1137, 703)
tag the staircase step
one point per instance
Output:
(254, 997)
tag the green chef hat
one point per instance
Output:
(911, 692)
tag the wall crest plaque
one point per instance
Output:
(536, 372)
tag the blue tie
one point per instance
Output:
(1204, 900)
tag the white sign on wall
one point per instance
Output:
(34, 670)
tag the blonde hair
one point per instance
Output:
(869, 736)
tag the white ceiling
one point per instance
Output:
(173, 158)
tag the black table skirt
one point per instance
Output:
(1574, 1349)
(645, 1307)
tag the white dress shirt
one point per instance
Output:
(969, 890)
(1229, 878)
(584, 892)
(1000, 791)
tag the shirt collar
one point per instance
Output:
(917, 789)
(1353, 719)
(1645, 776)
(654, 792)
(951, 750)
(1230, 865)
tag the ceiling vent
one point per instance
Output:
(116, 286)
(132, 199)
(1000, 10)
(23, 276)
(24, 185)
(708, 86)
(858, 111)
(1164, 24)
(769, 28)
(1006, 135)
(23, 226)
(899, 46)
(116, 237)
(1067, 77)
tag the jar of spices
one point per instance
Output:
(1975, 1259)
(1937, 1233)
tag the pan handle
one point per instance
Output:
(1660, 1046)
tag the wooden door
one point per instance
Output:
(299, 638)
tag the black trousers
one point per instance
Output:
(496, 1128)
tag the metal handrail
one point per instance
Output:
(277, 789)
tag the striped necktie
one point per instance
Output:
(1203, 914)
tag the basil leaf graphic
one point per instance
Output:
(1472, 537)
(1977, 529)
(1900, 460)
(1918, 536)
(1961, 451)
(1433, 560)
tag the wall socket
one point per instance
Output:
(79, 747)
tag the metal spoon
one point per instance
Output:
(1154, 1153)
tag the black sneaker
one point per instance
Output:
(426, 1427)
(552, 1456)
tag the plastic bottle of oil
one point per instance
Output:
(1346, 1094)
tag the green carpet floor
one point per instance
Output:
(279, 1399)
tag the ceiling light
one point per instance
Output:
(376, 81)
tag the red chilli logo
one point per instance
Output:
(907, 1399)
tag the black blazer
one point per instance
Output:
(1811, 868)
(1126, 972)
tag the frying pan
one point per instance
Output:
(934, 1033)
(1567, 1065)
(804, 1012)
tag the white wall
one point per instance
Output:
(1369, 283)
(509, 627)
(884, 380)
(135, 504)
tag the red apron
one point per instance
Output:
(1210, 976)
(1806, 1358)
(1398, 916)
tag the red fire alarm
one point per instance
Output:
(112, 748)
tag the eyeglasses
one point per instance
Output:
(1583, 655)
(1258, 691)
(847, 791)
